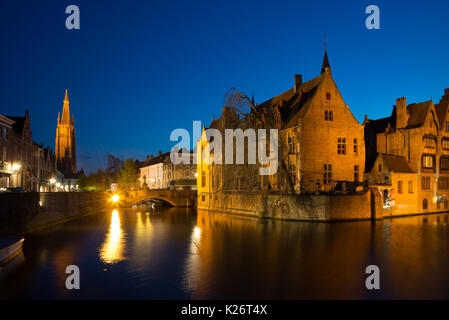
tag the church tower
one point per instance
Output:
(65, 141)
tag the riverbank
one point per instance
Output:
(308, 207)
(22, 213)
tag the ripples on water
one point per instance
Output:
(177, 254)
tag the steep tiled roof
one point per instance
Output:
(441, 109)
(396, 163)
(291, 102)
(159, 159)
(418, 113)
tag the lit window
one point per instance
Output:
(427, 162)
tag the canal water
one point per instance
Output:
(179, 254)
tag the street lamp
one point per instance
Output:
(15, 167)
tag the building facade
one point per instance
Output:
(65, 146)
(418, 133)
(24, 163)
(320, 148)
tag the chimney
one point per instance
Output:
(401, 113)
(160, 153)
(446, 92)
(151, 157)
(148, 158)
(298, 81)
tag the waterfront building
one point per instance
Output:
(418, 133)
(180, 176)
(151, 172)
(7, 168)
(321, 144)
(65, 146)
(24, 163)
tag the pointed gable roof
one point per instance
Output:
(65, 119)
(292, 102)
(418, 113)
(325, 62)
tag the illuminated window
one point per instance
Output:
(327, 173)
(399, 186)
(341, 145)
(356, 173)
(328, 115)
(410, 187)
(427, 162)
(425, 183)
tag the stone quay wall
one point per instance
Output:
(295, 207)
(27, 212)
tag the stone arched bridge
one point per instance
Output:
(177, 198)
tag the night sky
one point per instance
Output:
(136, 70)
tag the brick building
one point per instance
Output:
(321, 143)
(419, 134)
(24, 163)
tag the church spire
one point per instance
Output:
(325, 62)
(65, 119)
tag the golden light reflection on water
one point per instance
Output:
(113, 247)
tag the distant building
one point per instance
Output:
(180, 176)
(151, 172)
(160, 173)
(65, 146)
(24, 163)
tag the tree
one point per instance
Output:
(128, 175)
(82, 181)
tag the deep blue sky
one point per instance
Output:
(136, 70)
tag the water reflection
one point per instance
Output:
(113, 247)
(177, 254)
